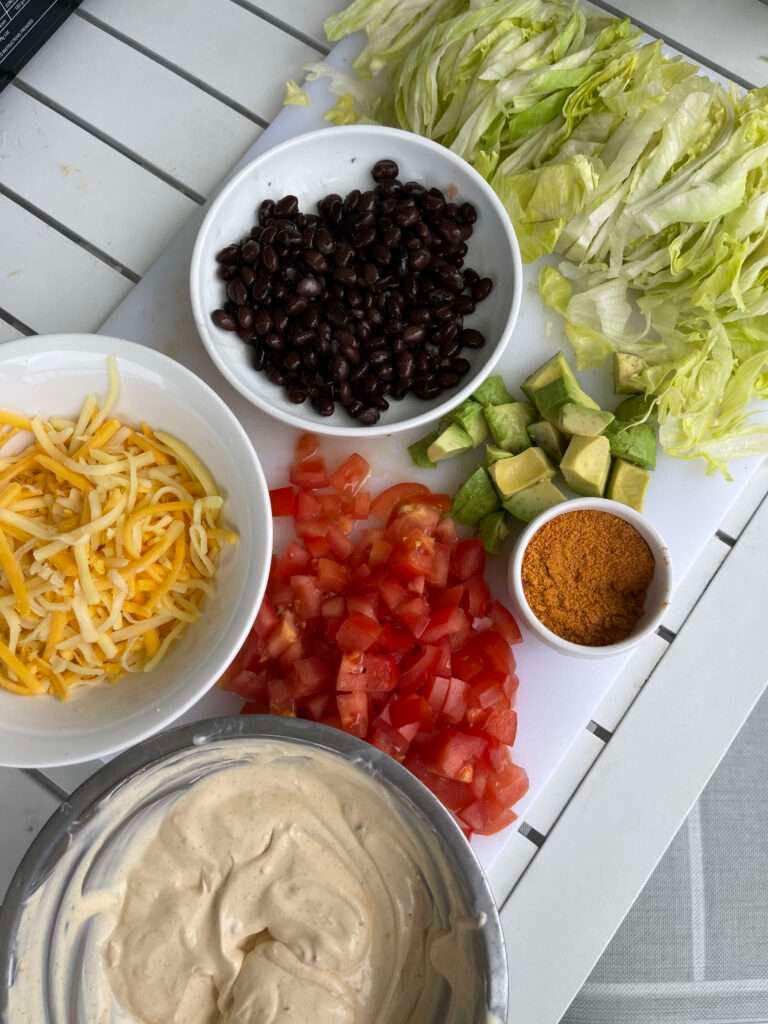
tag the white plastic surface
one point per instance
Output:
(53, 376)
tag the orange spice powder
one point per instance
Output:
(585, 576)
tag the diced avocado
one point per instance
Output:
(576, 419)
(418, 451)
(527, 504)
(628, 484)
(557, 393)
(454, 440)
(635, 443)
(493, 530)
(556, 369)
(520, 471)
(469, 415)
(626, 373)
(493, 453)
(586, 463)
(492, 391)
(509, 423)
(475, 498)
(547, 436)
(637, 407)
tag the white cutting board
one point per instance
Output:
(557, 695)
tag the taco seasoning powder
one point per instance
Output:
(585, 575)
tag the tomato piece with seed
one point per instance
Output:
(413, 556)
(372, 673)
(353, 712)
(351, 475)
(453, 754)
(384, 503)
(281, 700)
(388, 739)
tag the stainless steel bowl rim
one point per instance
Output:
(32, 870)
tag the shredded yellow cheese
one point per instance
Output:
(109, 538)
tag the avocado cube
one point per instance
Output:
(508, 424)
(628, 484)
(454, 440)
(493, 453)
(637, 407)
(469, 415)
(492, 391)
(635, 442)
(520, 471)
(547, 436)
(586, 464)
(528, 503)
(627, 371)
(475, 498)
(576, 419)
(493, 530)
(558, 393)
(418, 451)
(555, 369)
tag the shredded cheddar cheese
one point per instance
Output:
(109, 538)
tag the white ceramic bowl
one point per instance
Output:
(657, 598)
(338, 160)
(52, 375)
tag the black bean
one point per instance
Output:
(296, 394)
(262, 322)
(323, 405)
(419, 259)
(269, 258)
(345, 275)
(344, 254)
(230, 254)
(472, 339)
(224, 320)
(352, 200)
(237, 292)
(303, 337)
(359, 371)
(385, 170)
(273, 341)
(245, 317)
(315, 260)
(420, 315)
(380, 254)
(276, 376)
(309, 287)
(339, 368)
(460, 366)
(426, 389)
(405, 365)
(450, 231)
(344, 393)
(363, 237)
(247, 275)
(324, 242)
(406, 215)
(414, 334)
(295, 305)
(364, 220)
(250, 251)
(258, 357)
(292, 362)
(447, 379)
(464, 305)
(268, 235)
(482, 289)
(288, 206)
(368, 416)
(227, 271)
(390, 235)
(328, 201)
(309, 359)
(468, 213)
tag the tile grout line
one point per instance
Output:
(14, 322)
(129, 154)
(62, 229)
(45, 783)
(675, 44)
(698, 899)
(175, 68)
(284, 26)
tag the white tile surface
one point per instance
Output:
(689, 589)
(146, 108)
(24, 808)
(307, 17)
(8, 333)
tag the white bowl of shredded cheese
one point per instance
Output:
(135, 544)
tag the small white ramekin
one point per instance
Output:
(657, 598)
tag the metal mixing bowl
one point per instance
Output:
(422, 811)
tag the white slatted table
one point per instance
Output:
(109, 140)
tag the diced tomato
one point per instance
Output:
(477, 597)
(467, 663)
(455, 704)
(308, 506)
(441, 559)
(502, 724)
(281, 700)
(444, 622)
(341, 545)
(413, 556)
(295, 559)
(332, 627)
(394, 640)
(373, 673)
(451, 597)
(249, 685)
(346, 524)
(487, 691)
(266, 619)
(444, 658)
(310, 473)
(510, 688)
(307, 596)
(417, 585)
(385, 502)
(332, 578)
(317, 706)
(418, 667)
(496, 651)
(310, 529)
(409, 710)
(445, 531)
(281, 637)
(389, 739)
(504, 622)
(318, 546)
(509, 784)
(350, 476)
(353, 712)
(487, 816)
(421, 519)
(282, 501)
(333, 607)
(453, 754)
(435, 691)
(468, 559)
(357, 506)
(307, 446)
(291, 654)
(364, 604)
(330, 506)
(358, 633)
(309, 675)
(455, 795)
(415, 615)
(392, 593)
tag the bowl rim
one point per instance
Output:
(317, 423)
(31, 872)
(643, 526)
(105, 345)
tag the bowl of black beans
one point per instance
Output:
(356, 280)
